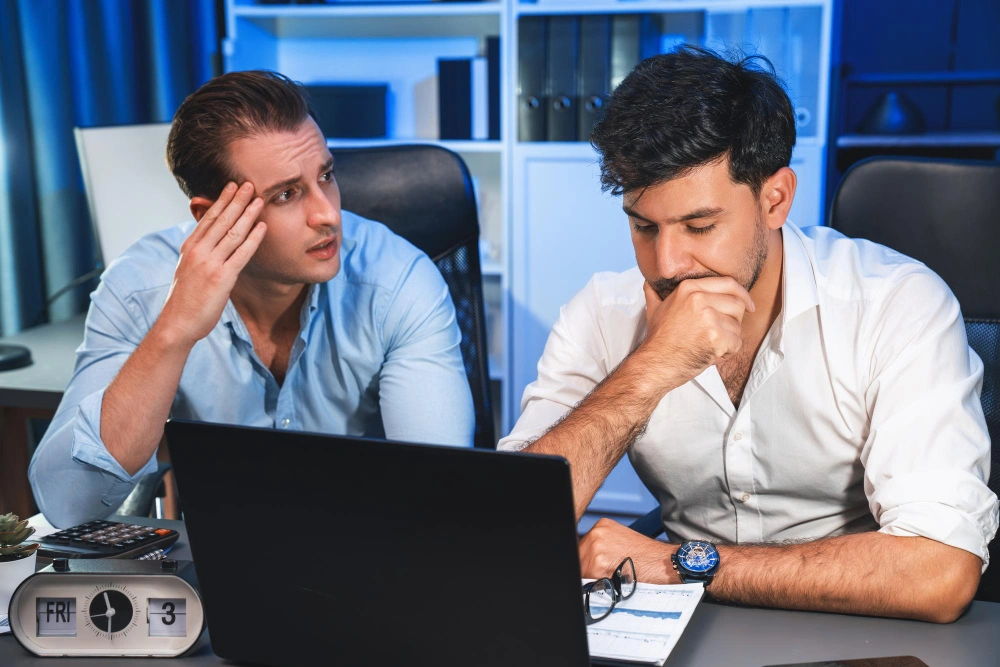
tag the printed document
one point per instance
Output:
(645, 628)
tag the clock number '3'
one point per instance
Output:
(170, 613)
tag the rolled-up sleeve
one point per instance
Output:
(927, 455)
(73, 476)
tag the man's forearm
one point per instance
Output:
(595, 435)
(868, 573)
(137, 402)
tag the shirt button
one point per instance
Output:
(285, 422)
(745, 497)
(738, 436)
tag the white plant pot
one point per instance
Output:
(12, 573)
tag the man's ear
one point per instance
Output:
(776, 197)
(199, 206)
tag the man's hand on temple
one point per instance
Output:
(210, 262)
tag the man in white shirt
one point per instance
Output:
(804, 405)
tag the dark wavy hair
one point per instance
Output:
(229, 107)
(691, 107)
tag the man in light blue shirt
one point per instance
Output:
(273, 308)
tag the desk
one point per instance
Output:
(32, 392)
(717, 636)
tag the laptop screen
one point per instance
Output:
(311, 547)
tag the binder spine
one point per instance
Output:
(455, 98)
(624, 47)
(493, 66)
(563, 51)
(595, 64)
(531, 67)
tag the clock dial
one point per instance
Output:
(111, 611)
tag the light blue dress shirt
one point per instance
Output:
(377, 355)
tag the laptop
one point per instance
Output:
(315, 549)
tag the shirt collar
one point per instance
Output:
(229, 314)
(311, 304)
(798, 282)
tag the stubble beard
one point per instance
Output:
(752, 265)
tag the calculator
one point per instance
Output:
(105, 539)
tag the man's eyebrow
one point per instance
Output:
(703, 212)
(278, 187)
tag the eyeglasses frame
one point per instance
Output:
(615, 581)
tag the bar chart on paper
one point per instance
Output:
(645, 627)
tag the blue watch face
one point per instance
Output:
(698, 556)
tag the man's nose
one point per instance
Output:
(322, 211)
(672, 257)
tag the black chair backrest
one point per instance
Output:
(946, 214)
(424, 193)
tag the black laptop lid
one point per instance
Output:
(313, 549)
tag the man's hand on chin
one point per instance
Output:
(609, 543)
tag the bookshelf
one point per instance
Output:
(929, 140)
(950, 78)
(547, 227)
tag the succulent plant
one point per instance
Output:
(13, 532)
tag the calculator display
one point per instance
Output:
(56, 617)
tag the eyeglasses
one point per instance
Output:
(601, 596)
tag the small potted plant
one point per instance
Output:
(17, 560)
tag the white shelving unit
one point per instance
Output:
(371, 20)
(541, 209)
(458, 146)
(398, 44)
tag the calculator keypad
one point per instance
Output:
(110, 538)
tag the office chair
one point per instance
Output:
(125, 170)
(943, 213)
(424, 194)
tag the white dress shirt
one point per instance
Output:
(861, 411)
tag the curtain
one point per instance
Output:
(79, 63)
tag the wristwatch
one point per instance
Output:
(696, 562)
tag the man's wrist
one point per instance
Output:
(669, 575)
(648, 376)
(168, 339)
(654, 566)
